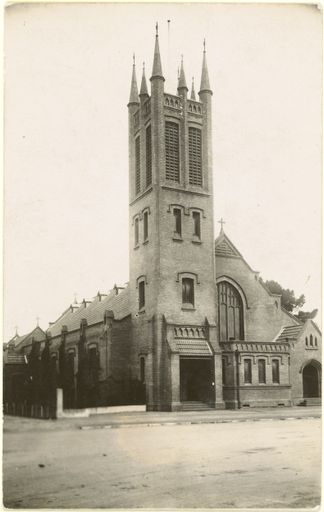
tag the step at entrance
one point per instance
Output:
(313, 401)
(196, 406)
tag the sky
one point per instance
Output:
(67, 82)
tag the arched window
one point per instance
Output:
(311, 340)
(306, 340)
(230, 313)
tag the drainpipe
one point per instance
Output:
(237, 379)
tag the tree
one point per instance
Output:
(288, 299)
(303, 316)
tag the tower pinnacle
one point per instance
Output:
(193, 94)
(143, 90)
(204, 84)
(133, 97)
(157, 66)
(182, 78)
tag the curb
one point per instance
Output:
(202, 422)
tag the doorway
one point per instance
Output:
(311, 381)
(197, 380)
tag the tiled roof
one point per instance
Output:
(291, 332)
(14, 342)
(93, 312)
(192, 347)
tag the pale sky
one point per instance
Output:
(67, 81)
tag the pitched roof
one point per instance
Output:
(17, 341)
(93, 312)
(187, 347)
(290, 332)
(224, 247)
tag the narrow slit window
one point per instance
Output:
(137, 166)
(275, 371)
(196, 224)
(141, 294)
(188, 291)
(136, 231)
(247, 371)
(177, 221)
(262, 371)
(145, 221)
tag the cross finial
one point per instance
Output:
(222, 222)
(204, 44)
(37, 321)
(133, 59)
(16, 328)
(75, 298)
(143, 67)
(157, 29)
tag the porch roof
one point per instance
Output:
(191, 347)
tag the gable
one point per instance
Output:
(224, 247)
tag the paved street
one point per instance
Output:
(243, 463)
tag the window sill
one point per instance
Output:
(177, 238)
(141, 311)
(196, 241)
(136, 247)
(311, 348)
(146, 241)
(188, 308)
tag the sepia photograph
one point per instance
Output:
(162, 338)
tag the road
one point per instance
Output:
(259, 464)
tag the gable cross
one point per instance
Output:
(222, 222)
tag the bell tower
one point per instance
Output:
(172, 262)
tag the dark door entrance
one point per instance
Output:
(311, 382)
(196, 380)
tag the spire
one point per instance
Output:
(204, 84)
(193, 94)
(182, 79)
(157, 67)
(143, 91)
(133, 97)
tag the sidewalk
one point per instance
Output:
(149, 419)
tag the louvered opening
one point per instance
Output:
(172, 151)
(137, 166)
(148, 156)
(195, 164)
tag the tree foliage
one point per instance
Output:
(303, 316)
(288, 299)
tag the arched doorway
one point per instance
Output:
(312, 380)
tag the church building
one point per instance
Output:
(195, 327)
